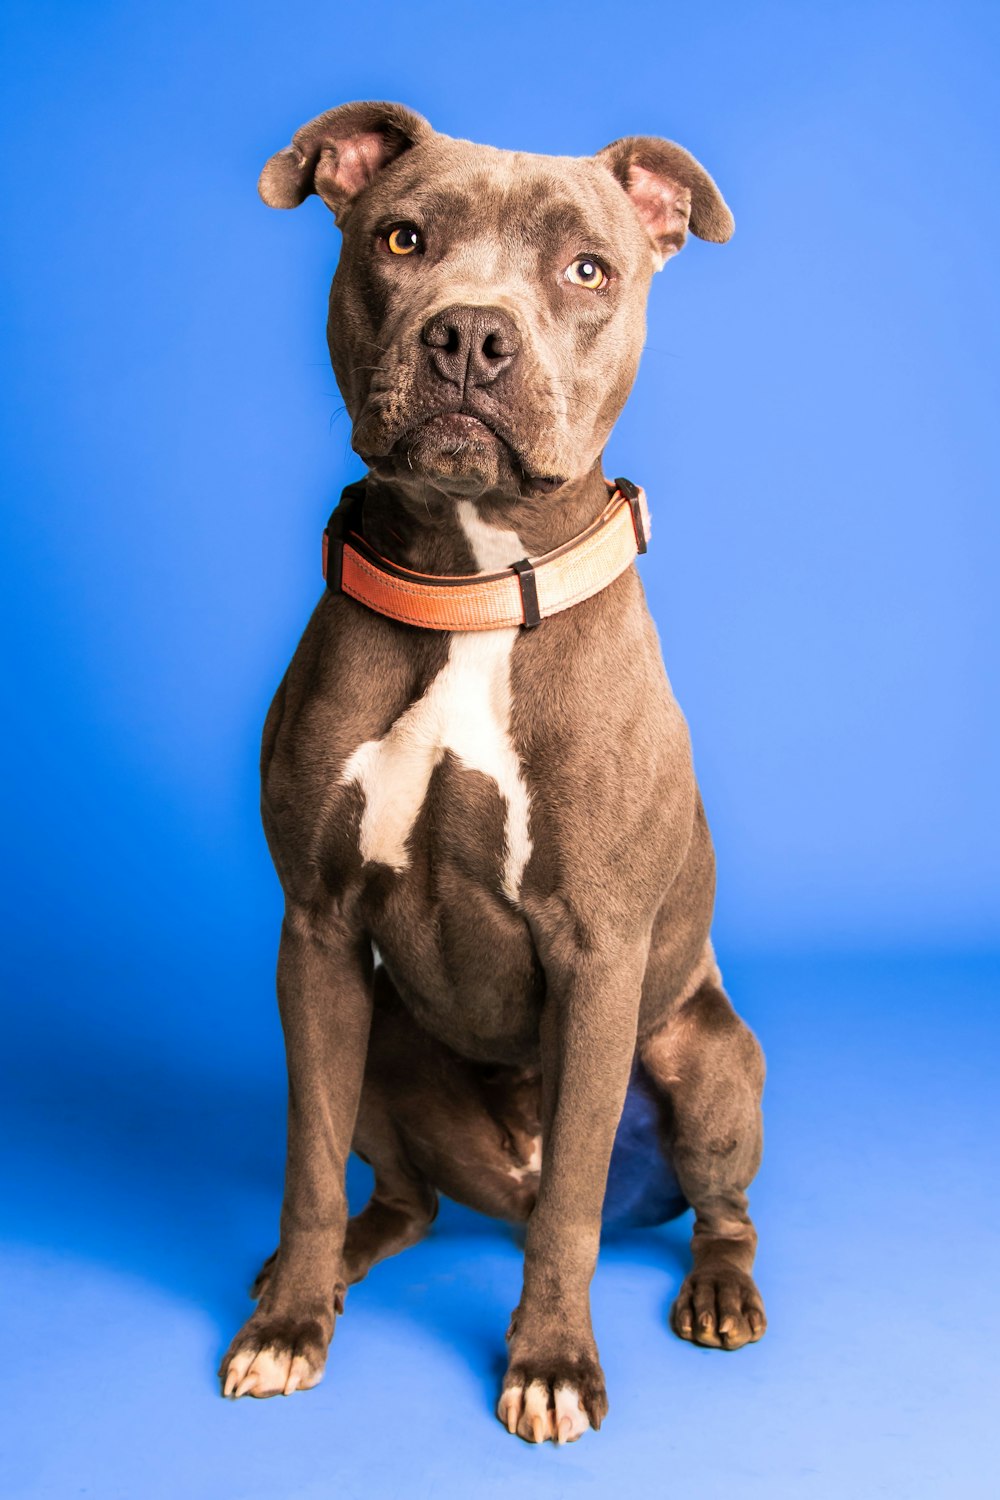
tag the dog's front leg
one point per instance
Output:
(554, 1386)
(324, 995)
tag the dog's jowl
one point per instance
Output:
(495, 975)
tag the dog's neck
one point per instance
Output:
(428, 529)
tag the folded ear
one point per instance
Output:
(670, 192)
(338, 154)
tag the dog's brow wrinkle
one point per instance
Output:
(429, 204)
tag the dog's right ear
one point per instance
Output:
(338, 154)
(670, 191)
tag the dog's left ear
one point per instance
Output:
(338, 154)
(670, 192)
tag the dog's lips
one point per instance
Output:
(464, 427)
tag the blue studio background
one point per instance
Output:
(814, 421)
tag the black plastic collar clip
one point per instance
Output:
(529, 593)
(631, 493)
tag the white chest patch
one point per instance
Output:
(466, 709)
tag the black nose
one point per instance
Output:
(471, 345)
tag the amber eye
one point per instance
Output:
(404, 239)
(587, 272)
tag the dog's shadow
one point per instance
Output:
(175, 1179)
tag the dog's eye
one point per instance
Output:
(404, 239)
(587, 272)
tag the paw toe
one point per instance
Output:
(235, 1372)
(571, 1421)
(536, 1417)
(510, 1406)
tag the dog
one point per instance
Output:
(477, 785)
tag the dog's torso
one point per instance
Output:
(450, 790)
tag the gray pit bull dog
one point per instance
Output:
(495, 955)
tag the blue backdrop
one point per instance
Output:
(815, 423)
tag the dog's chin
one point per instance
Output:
(456, 452)
(460, 452)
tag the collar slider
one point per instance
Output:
(635, 497)
(529, 592)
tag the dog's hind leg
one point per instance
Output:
(431, 1120)
(710, 1069)
(402, 1206)
(403, 1203)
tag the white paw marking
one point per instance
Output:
(532, 1166)
(268, 1372)
(530, 1415)
(571, 1419)
(466, 709)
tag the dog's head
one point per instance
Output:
(488, 311)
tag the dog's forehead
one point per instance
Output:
(486, 188)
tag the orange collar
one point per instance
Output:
(523, 594)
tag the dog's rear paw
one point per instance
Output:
(274, 1357)
(721, 1309)
(553, 1402)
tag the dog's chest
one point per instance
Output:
(465, 710)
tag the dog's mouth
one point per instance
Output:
(460, 428)
(467, 445)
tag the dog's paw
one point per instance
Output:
(274, 1357)
(554, 1402)
(721, 1309)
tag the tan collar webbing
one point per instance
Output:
(523, 594)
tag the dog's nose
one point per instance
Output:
(471, 345)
